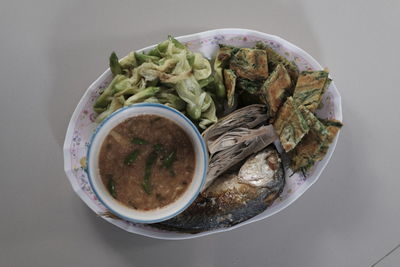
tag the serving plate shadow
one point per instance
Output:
(82, 126)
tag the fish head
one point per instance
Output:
(261, 169)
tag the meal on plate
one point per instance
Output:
(252, 105)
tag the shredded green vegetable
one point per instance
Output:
(169, 74)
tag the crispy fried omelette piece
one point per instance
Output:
(290, 124)
(221, 61)
(224, 54)
(310, 87)
(250, 64)
(275, 89)
(251, 87)
(304, 155)
(313, 122)
(230, 84)
(274, 59)
(333, 127)
(314, 146)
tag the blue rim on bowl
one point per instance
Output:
(138, 106)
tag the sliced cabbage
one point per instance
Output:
(142, 95)
(171, 100)
(152, 99)
(141, 58)
(201, 67)
(221, 60)
(115, 67)
(170, 74)
(115, 104)
(190, 92)
(183, 65)
(207, 81)
(105, 98)
(129, 61)
(209, 116)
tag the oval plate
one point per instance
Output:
(82, 126)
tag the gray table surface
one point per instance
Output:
(50, 51)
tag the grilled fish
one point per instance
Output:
(235, 137)
(234, 197)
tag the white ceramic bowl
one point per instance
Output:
(83, 124)
(168, 211)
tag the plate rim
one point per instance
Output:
(279, 207)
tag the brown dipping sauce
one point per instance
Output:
(147, 162)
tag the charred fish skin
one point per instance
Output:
(208, 216)
(229, 201)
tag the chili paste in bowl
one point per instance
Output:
(147, 162)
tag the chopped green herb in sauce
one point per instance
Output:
(169, 160)
(139, 141)
(147, 172)
(131, 157)
(111, 187)
(158, 147)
